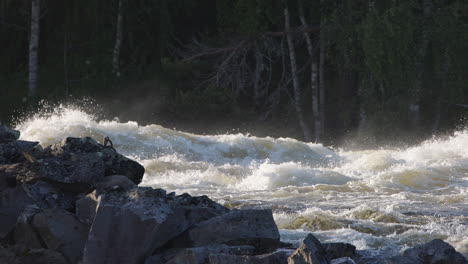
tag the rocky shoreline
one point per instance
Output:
(78, 201)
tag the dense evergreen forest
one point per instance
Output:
(324, 69)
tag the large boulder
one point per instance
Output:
(130, 225)
(433, 252)
(61, 231)
(23, 201)
(8, 135)
(114, 163)
(240, 227)
(86, 206)
(310, 252)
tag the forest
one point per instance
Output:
(317, 70)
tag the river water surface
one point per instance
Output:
(380, 200)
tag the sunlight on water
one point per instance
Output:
(381, 200)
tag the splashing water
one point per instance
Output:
(382, 201)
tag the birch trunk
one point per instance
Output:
(118, 42)
(34, 48)
(414, 107)
(313, 78)
(297, 89)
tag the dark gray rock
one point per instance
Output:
(25, 235)
(279, 257)
(61, 231)
(114, 163)
(86, 208)
(114, 183)
(339, 250)
(344, 260)
(130, 225)
(433, 252)
(23, 201)
(198, 255)
(310, 252)
(8, 135)
(244, 227)
(30, 256)
(19, 151)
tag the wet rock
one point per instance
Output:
(345, 260)
(310, 252)
(198, 255)
(244, 227)
(339, 250)
(8, 176)
(8, 135)
(433, 252)
(61, 231)
(130, 225)
(279, 257)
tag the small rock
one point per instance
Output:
(310, 252)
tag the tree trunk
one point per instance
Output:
(313, 78)
(118, 42)
(414, 107)
(34, 48)
(297, 88)
(322, 77)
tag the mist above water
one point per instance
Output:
(381, 200)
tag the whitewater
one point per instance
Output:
(381, 200)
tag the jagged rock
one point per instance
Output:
(8, 135)
(19, 151)
(114, 163)
(7, 176)
(61, 231)
(244, 227)
(344, 260)
(279, 257)
(432, 252)
(339, 250)
(86, 208)
(130, 225)
(198, 255)
(310, 252)
(25, 200)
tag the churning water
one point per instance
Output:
(382, 201)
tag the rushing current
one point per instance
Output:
(381, 200)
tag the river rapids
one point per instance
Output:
(382, 200)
